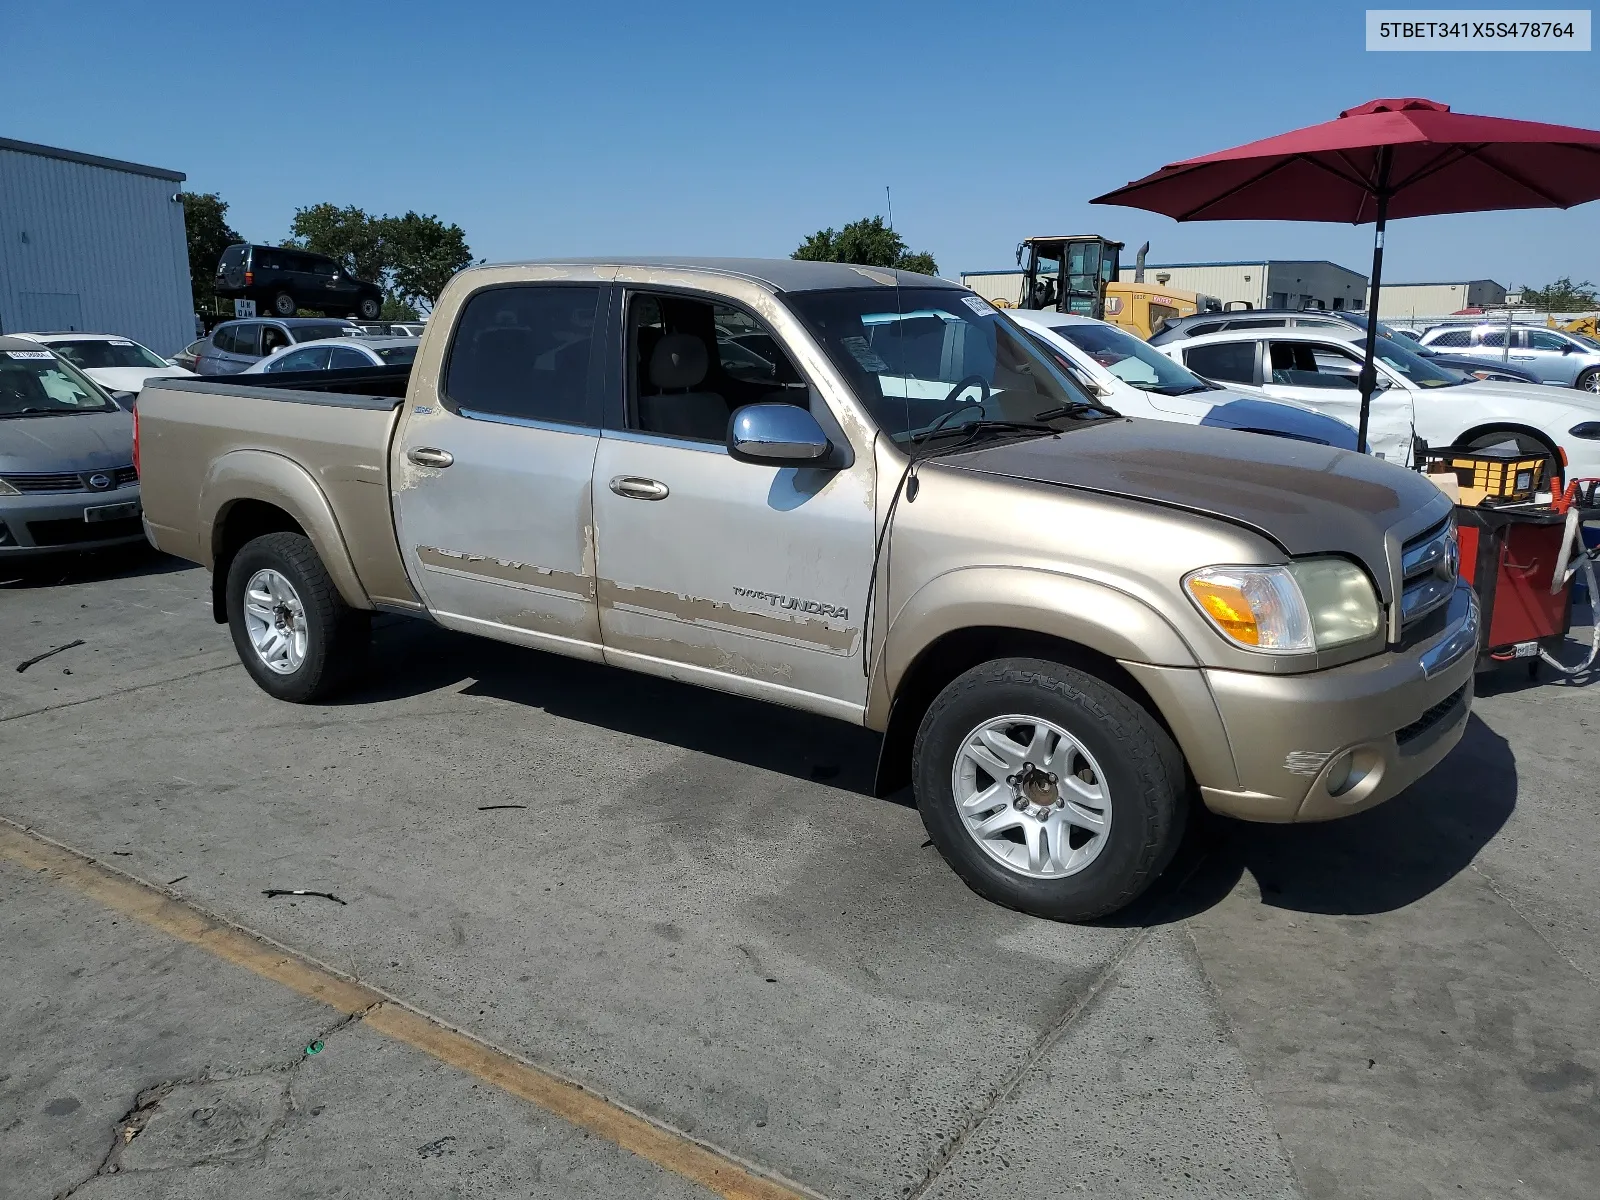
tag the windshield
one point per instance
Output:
(396, 356)
(314, 333)
(35, 383)
(99, 352)
(1131, 360)
(1414, 367)
(924, 357)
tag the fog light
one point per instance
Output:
(1349, 771)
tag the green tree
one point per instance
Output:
(1562, 296)
(867, 243)
(206, 226)
(424, 254)
(411, 257)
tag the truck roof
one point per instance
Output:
(779, 274)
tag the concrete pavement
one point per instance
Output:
(701, 915)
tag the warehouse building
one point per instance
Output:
(1265, 283)
(1408, 301)
(94, 244)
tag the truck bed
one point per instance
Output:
(314, 443)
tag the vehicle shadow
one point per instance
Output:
(89, 566)
(412, 658)
(1373, 862)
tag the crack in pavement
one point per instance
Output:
(233, 661)
(148, 1102)
(1528, 921)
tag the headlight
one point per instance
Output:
(1314, 604)
(1589, 430)
(7, 490)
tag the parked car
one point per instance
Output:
(1417, 398)
(189, 356)
(1552, 355)
(912, 521)
(235, 345)
(392, 328)
(118, 364)
(335, 354)
(282, 280)
(1340, 323)
(1139, 381)
(66, 458)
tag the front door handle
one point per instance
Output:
(427, 456)
(635, 487)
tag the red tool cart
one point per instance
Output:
(1511, 555)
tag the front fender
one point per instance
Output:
(279, 481)
(1077, 610)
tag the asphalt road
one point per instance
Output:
(699, 913)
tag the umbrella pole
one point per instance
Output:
(1369, 373)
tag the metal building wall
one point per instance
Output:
(1226, 281)
(996, 285)
(100, 244)
(1301, 282)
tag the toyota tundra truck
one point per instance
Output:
(863, 493)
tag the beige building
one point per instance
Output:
(1407, 301)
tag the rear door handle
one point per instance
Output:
(427, 456)
(635, 487)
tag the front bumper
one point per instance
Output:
(1326, 744)
(37, 524)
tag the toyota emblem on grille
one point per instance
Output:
(99, 482)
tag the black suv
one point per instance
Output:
(281, 280)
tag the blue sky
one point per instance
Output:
(727, 128)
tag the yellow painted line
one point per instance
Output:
(670, 1149)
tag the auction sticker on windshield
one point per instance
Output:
(44, 355)
(120, 342)
(982, 307)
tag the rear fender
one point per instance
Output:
(273, 479)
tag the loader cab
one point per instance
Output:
(1068, 274)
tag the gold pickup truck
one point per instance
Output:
(858, 492)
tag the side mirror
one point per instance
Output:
(1568, 348)
(782, 433)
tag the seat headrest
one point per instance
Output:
(678, 361)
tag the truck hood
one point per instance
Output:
(77, 442)
(1307, 498)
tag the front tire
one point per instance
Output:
(1589, 381)
(369, 309)
(1047, 790)
(294, 633)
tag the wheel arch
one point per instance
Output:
(1487, 427)
(965, 617)
(248, 493)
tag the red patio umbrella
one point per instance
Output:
(1388, 158)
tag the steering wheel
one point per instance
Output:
(962, 407)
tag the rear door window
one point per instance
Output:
(311, 358)
(525, 352)
(1231, 362)
(345, 357)
(1455, 337)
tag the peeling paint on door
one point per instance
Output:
(697, 610)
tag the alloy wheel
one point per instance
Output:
(1032, 796)
(275, 619)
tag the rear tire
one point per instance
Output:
(369, 309)
(294, 633)
(283, 305)
(1102, 812)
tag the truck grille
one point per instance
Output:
(72, 481)
(1429, 564)
(1430, 718)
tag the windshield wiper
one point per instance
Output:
(971, 430)
(1187, 389)
(1076, 409)
(40, 412)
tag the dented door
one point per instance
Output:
(492, 478)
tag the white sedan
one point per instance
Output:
(116, 363)
(340, 353)
(1415, 398)
(1138, 381)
